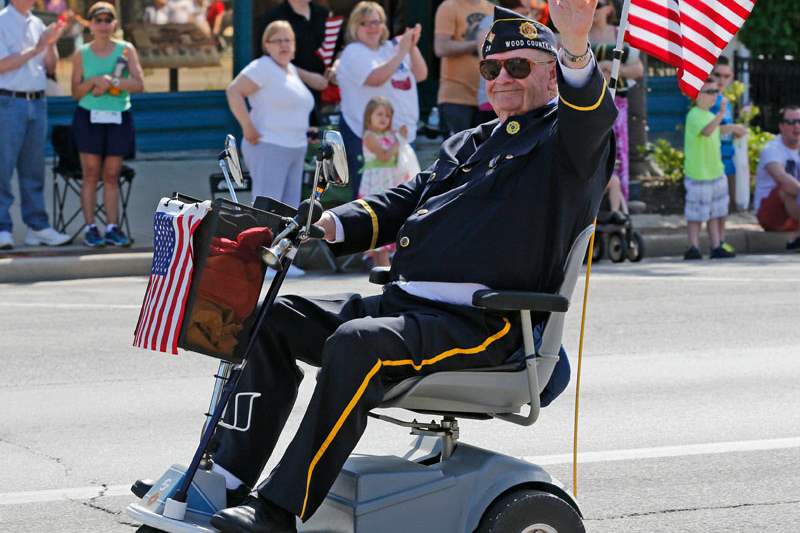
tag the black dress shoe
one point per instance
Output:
(234, 496)
(141, 487)
(255, 515)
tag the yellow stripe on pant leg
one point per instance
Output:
(336, 427)
(455, 351)
(374, 370)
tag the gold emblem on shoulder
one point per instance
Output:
(490, 37)
(512, 128)
(528, 30)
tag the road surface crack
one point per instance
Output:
(91, 503)
(690, 509)
(33, 451)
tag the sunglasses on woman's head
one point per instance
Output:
(517, 67)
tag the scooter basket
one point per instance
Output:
(220, 311)
(207, 275)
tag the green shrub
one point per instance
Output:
(772, 29)
(667, 158)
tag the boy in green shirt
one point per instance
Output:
(704, 173)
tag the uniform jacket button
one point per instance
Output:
(433, 175)
(421, 212)
(509, 156)
(404, 242)
(466, 169)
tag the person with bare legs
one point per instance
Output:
(777, 195)
(104, 73)
(706, 184)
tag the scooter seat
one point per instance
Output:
(498, 391)
(501, 389)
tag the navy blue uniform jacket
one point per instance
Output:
(503, 209)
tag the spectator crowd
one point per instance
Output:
(306, 57)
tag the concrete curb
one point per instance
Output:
(745, 242)
(31, 269)
(670, 243)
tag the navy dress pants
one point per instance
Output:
(363, 346)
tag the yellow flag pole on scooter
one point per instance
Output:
(612, 87)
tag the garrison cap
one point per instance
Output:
(512, 31)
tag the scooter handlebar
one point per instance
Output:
(284, 241)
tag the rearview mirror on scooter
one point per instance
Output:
(234, 162)
(334, 159)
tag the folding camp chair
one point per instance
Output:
(67, 176)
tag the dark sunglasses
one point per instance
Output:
(710, 91)
(517, 67)
(791, 121)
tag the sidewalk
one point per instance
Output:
(188, 173)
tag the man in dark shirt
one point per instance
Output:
(500, 208)
(308, 22)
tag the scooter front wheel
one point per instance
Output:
(530, 511)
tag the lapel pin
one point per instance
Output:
(512, 128)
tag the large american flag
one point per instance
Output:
(161, 315)
(687, 34)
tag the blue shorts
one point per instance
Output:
(103, 139)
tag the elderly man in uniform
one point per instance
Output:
(522, 187)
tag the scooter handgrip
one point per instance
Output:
(302, 212)
(316, 232)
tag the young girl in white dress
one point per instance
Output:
(381, 147)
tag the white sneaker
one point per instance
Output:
(6, 240)
(47, 237)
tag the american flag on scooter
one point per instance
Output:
(164, 301)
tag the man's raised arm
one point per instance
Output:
(586, 110)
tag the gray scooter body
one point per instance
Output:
(372, 494)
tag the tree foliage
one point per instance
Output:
(773, 29)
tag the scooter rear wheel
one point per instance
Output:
(530, 511)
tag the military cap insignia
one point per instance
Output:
(512, 128)
(528, 30)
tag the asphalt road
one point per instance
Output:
(689, 421)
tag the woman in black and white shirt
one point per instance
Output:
(275, 128)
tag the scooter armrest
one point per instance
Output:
(380, 276)
(519, 301)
